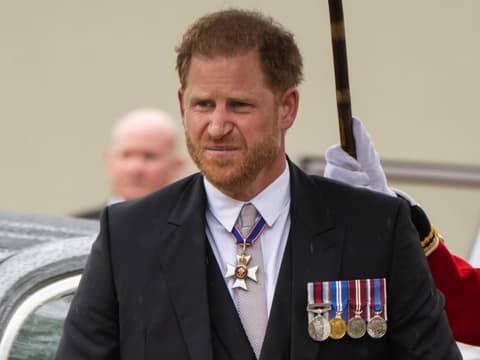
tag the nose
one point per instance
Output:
(220, 123)
(135, 165)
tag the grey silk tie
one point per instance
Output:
(252, 303)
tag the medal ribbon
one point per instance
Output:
(376, 297)
(369, 299)
(355, 292)
(326, 296)
(252, 236)
(333, 297)
(314, 290)
(311, 298)
(342, 298)
(382, 290)
(377, 290)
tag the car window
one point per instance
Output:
(36, 325)
(40, 334)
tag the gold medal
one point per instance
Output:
(356, 327)
(319, 328)
(377, 327)
(338, 327)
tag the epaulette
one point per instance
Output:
(431, 241)
(429, 238)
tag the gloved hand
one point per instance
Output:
(365, 171)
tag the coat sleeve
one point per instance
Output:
(460, 283)
(419, 326)
(91, 327)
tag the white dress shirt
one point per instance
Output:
(273, 204)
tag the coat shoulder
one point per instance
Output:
(336, 192)
(160, 202)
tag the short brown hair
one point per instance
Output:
(233, 31)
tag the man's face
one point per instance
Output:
(234, 123)
(140, 161)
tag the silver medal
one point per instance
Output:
(377, 327)
(356, 327)
(319, 328)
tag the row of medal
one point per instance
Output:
(353, 307)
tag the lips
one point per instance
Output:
(221, 148)
(221, 152)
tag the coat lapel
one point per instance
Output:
(317, 246)
(276, 344)
(184, 263)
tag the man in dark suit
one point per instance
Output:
(328, 271)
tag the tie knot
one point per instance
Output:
(247, 218)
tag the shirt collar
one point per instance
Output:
(269, 203)
(114, 200)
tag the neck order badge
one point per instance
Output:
(241, 271)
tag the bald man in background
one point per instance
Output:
(142, 156)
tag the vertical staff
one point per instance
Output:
(344, 107)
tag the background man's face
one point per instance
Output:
(140, 161)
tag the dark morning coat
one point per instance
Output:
(152, 288)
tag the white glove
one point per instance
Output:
(365, 171)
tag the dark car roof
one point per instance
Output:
(36, 250)
(20, 230)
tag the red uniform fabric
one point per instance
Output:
(460, 283)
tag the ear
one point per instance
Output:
(180, 104)
(288, 107)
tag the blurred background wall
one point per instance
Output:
(69, 69)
